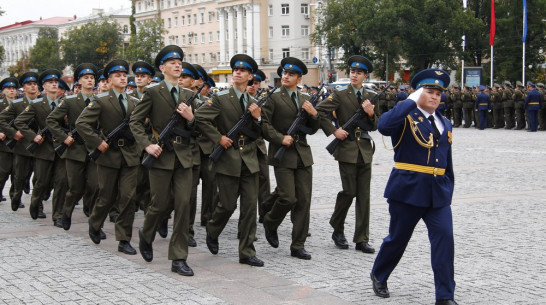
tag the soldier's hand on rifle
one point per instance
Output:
(341, 134)
(2, 136)
(255, 111)
(225, 142)
(287, 140)
(368, 108)
(69, 141)
(38, 139)
(103, 146)
(18, 135)
(154, 150)
(308, 107)
(185, 111)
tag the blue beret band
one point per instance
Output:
(257, 77)
(119, 68)
(156, 79)
(293, 67)
(200, 75)
(132, 83)
(9, 84)
(170, 55)
(246, 65)
(85, 71)
(102, 77)
(143, 70)
(188, 72)
(359, 65)
(430, 81)
(30, 79)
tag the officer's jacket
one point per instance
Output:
(6, 116)
(344, 102)
(70, 108)
(106, 111)
(519, 95)
(401, 96)
(483, 102)
(533, 101)
(39, 109)
(157, 105)
(215, 119)
(507, 95)
(205, 144)
(4, 105)
(411, 136)
(278, 115)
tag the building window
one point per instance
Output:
(194, 18)
(189, 19)
(227, 35)
(270, 10)
(203, 58)
(285, 9)
(210, 16)
(270, 54)
(183, 39)
(236, 33)
(244, 12)
(175, 21)
(304, 30)
(162, 4)
(196, 57)
(139, 7)
(125, 29)
(189, 58)
(270, 32)
(305, 53)
(210, 36)
(234, 14)
(202, 37)
(169, 22)
(305, 9)
(176, 40)
(211, 57)
(285, 30)
(217, 35)
(202, 14)
(170, 40)
(218, 55)
(182, 20)
(168, 3)
(285, 52)
(195, 39)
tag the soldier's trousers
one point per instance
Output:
(294, 187)
(22, 169)
(6, 170)
(520, 114)
(82, 183)
(229, 189)
(142, 195)
(209, 189)
(509, 116)
(468, 116)
(542, 119)
(46, 171)
(123, 180)
(170, 190)
(355, 180)
(457, 116)
(498, 118)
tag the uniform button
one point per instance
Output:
(436, 160)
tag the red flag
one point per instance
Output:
(492, 29)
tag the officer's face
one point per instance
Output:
(241, 76)
(86, 82)
(357, 77)
(142, 80)
(104, 85)
(10, 93)
(51, 86)
(253, 88)
(429, 99)
(118, 80)
(30, 88)
(290, 79)
(172, 68)
(186, 81)
(205, 91)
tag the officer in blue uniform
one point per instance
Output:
(401, 95)
(533, 103)
(421, 183)
(483, 106)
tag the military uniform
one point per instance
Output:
(542, 111)
(508, 105)
(533, 103)
(6, 154)
(455, 96)
(468, 107)
(519, 105)
(483, 105)
(496, 104)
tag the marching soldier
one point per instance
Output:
(519, 105)
(455, 96)
(354, 154)
(508, 105)
(496, 102)
(401, 95)
(483, 106)
(236, 169)
(23, 160)
(468, 106)
(381, 106)
(391, 98)
(103, 84)
(8, 86)
(294, 172)
(533, 103)
(47, 165)
(80, 170)
(117, 166)
(171, 172)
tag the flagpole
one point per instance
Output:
(523, 76)
(462, 61)
(524, 38)
(491, 82)
(492, 30)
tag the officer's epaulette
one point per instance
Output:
(188, 90)
(102, 94)
(70, 96)
(222, 92)
(151, 85)
(305, 94)
(371, 91)
(17, 100)
(130, 97)
(277, 90)
(37, 100)
(129, 92)
(341, 88)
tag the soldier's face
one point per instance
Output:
(186, 81)
(10, 92)
(118, 80)
(206, 90)
(290, 79)
(357, 77)
(87, 82)
(429, 99)
(254, 88)
(104, 85)
(77, 89)
(142, 80)
(51, 86)
(241, 76)
(30, 88)
(172, 68)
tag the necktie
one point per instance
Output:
(294, 100)
(242, 102)
(173, 92)
(53, 106)
(359, 97)
(436, 131)
(122, 106)
(87, 101)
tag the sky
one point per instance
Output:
(21, 10)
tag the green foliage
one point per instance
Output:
(147, 42)
(96, 42)
(45, 53)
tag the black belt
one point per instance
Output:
(121, 142)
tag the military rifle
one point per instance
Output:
(114, 134)
(297, 125)
(45, 133)
(62, 147)
(352, 123)
(170, 129)
(238, 128)
(12, 142)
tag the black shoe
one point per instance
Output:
(339, 240)
(46, 196)
(86, 212)
(272, 237)
(113, 218)
(21, 205)
(34, 210)
(192, 242)
(27, 188)
(15, 204)
(163, 229)
(261, 219)
(58, 223)
(94, 235)
(379, 288)
(2, 198)
(364, 247)
(446, 302)
(252, 261)
(181, 267)
(145, 248)
(204, 223)
(66, 221)
(41, 214)
(102, 234)
(125, 247)
(212, 244)
(301, 254)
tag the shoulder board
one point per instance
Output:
(71, 96)
(18, 100)
(102, 94)
(222, 92)
(277, 90)
(152, 85)
(371, 91)
(188, 90)
(340, 88)
(37, 100)
(129, 92)
(304, 93)
(133, 98)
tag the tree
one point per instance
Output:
(96, 42)
(22, 66)
(45, 53)
(147, 42)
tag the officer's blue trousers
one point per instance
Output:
(533, 119)
(482, 114)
